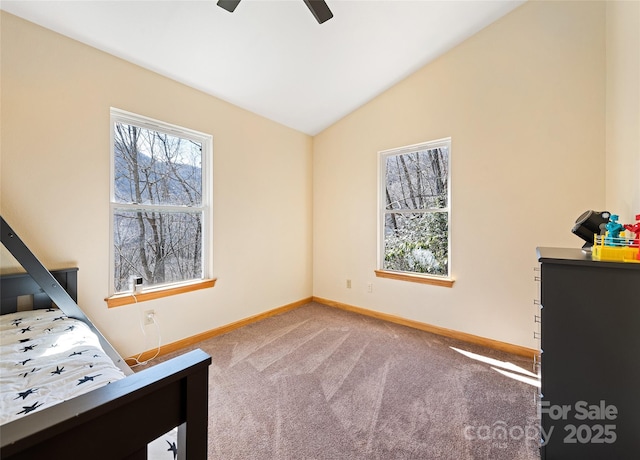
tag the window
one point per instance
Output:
(414, 204)
(159, 203)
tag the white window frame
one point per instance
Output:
(206, 140)
(443, 280)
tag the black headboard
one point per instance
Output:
(22, 284)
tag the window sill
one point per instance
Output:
(415, 278)
(119, 300)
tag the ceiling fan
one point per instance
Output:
(319, 8)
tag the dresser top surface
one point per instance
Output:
(575, 256)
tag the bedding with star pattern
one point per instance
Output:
(48, 358)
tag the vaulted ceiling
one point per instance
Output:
(272, 57)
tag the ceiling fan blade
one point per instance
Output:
(229, 5)
(319, 9)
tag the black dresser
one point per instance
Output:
(590, 362)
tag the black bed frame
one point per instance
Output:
(118, 420)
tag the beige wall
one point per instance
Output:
(56, 95)
(623, 109)
(524, 104)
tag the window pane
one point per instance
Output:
(416, 242)
(162, 247)
(417, 180)
(155, 168)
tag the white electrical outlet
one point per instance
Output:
(149, 317)
(348, 284)
(369, 287)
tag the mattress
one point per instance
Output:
(48, 358)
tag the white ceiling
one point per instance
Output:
(271, 57)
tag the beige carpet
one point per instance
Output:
(321, 383)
